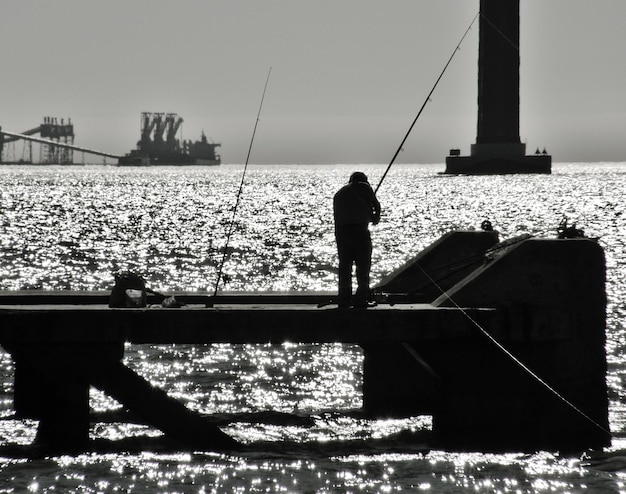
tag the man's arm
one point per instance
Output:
(376, 210)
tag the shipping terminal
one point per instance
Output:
(160, 146)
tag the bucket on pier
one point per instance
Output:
(129, 291)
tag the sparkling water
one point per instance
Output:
(73, 227)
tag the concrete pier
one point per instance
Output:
(553, 288)
(541, 300)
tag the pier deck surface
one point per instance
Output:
(247, 318)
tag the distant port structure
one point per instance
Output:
(157, 145)
(56, 144)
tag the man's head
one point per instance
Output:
(358, 177)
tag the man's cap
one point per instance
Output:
(358, 177)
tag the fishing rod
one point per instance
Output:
(243, 176)
(489, 337)
(458, 47)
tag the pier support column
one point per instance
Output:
(555, 294)
(64, 412)
(396, 381)
(52, 386)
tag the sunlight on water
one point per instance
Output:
(251, 378)
(71, 228)
(328, 427)
(17, 431)
(116, 431)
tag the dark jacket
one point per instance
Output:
(356, 204)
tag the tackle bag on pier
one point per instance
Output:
(129, 291)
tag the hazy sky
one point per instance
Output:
(348, 76)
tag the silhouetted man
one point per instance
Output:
(354, 207)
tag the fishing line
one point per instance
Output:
(517, 361)
(495, 342)
(454, 267)
(458, 47)
(497, 30)
(243, 176)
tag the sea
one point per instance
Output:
(73, 227)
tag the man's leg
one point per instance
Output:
(363, 264)
(346, 258)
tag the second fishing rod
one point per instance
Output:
(243, 177)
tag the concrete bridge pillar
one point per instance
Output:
(498, 149)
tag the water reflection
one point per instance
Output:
(251, 378)
(72, 227)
